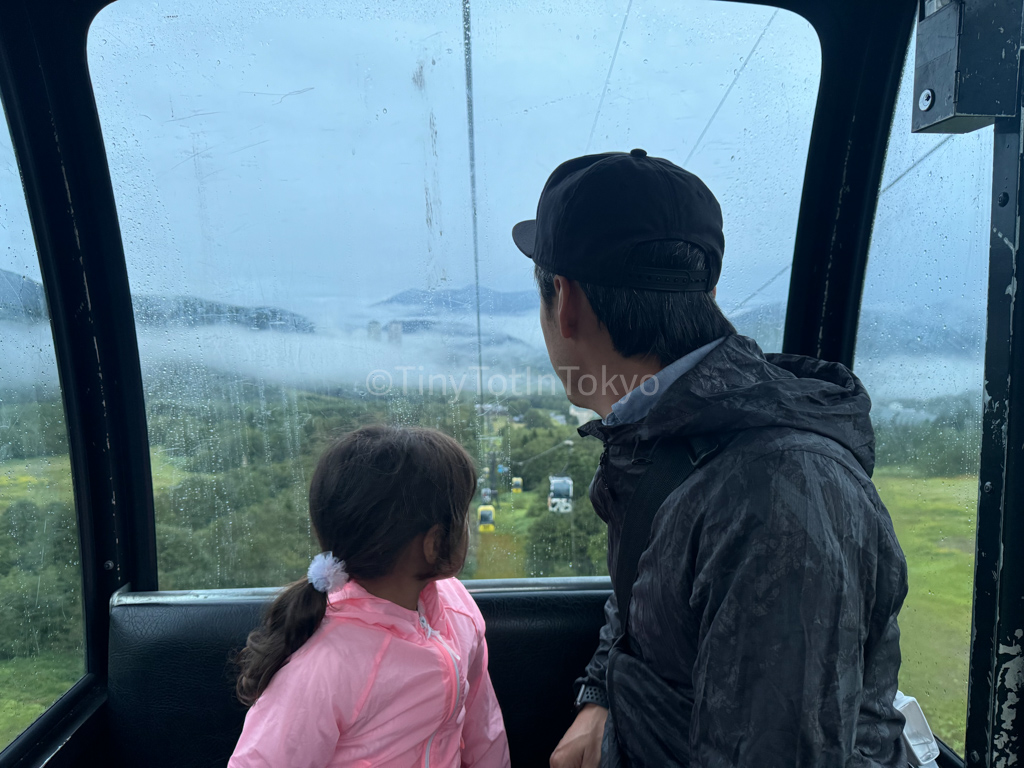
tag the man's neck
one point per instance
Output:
(615, 379)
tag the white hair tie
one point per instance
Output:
(327, 573)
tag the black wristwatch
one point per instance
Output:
(591, 694)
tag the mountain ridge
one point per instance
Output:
(464, 300)
(884, 331)
(22, 301)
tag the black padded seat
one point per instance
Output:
(171, 688)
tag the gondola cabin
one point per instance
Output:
(560, 494)
(232, 232)
(485, 518)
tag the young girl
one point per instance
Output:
(377, 658)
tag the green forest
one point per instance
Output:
(231, 464)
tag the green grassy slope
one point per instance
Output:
(934, 519)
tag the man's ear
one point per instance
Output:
(566, 306)
(432, 545)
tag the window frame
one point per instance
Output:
(56, 135)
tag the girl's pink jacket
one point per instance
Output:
(379, 685)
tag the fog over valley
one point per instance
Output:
(300, 202)
(427, 340)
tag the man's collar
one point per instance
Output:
(638, 402)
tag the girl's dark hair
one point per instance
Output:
(373, 492)
(660, 323)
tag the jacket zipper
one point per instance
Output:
(604, 474)
(431, 633)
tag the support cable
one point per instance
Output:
(771, 280)
(467, 49)
(608, 77)
(885, 189)
(728, 90)
(914, 165)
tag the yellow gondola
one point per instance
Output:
(485, 518)
(517, 485)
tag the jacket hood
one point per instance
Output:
(738, 387)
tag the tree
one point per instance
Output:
(568, 544)
(536, 419)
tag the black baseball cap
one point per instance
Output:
(595, 209)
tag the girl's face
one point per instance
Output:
(460, 551)
(457, 554)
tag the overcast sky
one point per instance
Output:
(315, 156)
(308, 156)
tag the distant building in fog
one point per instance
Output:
(491, 408)
(373, 331)
(395, 332)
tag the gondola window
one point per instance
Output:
(316, 202)
(42, 652)
(920, 351)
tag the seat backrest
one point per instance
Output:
(171, 684)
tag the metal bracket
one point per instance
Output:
(966, 64)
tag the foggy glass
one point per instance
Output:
(295, 187)
(42, 652)
(920, 352)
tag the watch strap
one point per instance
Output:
(591, 694)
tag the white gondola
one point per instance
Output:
(560, 493)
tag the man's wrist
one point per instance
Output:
(591, 694)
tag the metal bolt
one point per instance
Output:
(108, 566)
(924, 102)
(975, 757)
(987, 487)
(1003, 199)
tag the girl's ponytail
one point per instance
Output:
(292, 619)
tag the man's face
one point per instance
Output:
(559, 351)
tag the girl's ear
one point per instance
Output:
(432, 545)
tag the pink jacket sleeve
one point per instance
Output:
(483, 732)
(296, 723)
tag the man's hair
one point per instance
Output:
(665, 324)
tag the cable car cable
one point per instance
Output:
(771, 280)
(561, 444)
(566, 465)
(914, 165)
(729, 89)
(467, 51)
(608, 77)
(885, 189)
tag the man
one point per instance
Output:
(762, 620)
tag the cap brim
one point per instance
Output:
(524, 234)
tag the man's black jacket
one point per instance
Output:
(767, 598)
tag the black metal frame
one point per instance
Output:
(863, 51)
(55, 131)
(995, 716)
(44, 82)
(47, 94)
